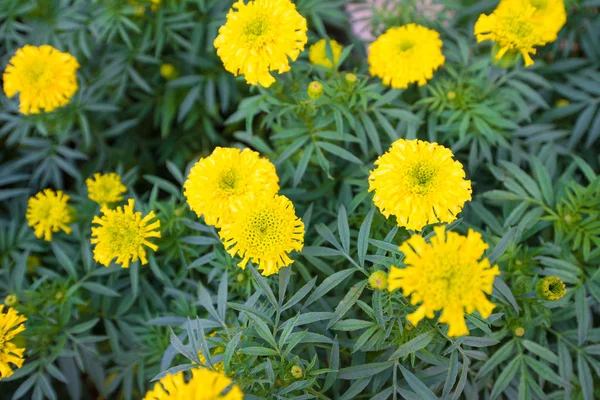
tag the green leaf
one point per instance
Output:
(340, 152)
(413, 345)
(417, 386)
(97, 288)
(347, 302)
(364, 370)
(263, 286)
(343, 228)
(540, 351)
(505, 377)
(258, 351)
(363, 237)
(328, 284)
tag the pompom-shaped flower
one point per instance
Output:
(203, 385)
(447, 274)
(105, 188)
(216, 182)
(11, 323)
(264, 229)
(406, 54)
(261, 36)
(317, 53)
(44, 77)
(518, 26)
(419, 183)
(122, 234)
(47, 212)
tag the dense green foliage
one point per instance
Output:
(97, 332)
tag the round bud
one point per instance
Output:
(168, 71)
(297, 372)
(315, 90)
(378, 280)
(550, 288)
(11, 300)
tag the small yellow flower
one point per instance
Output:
(550, 288)
(519, 26)
(11, 323)
(44, 77)
(447, 274)
(261, 36)
(122, 234)
(105, 188)
(216, 182)
(264, 229)
(317, 53)
(315, 90)
(419, 183)
(405, 55)
(378, 280)
(168, 71)
(47, 212)
(11, 300)
(203, 384)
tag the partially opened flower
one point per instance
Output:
(105, 188)
(519, 26)
(11, 355)
(419, 183)
(123, 234)
(218, 181)
(265, 230)
(259, 37)
(405, 55)
(317, 53)
(204, 384)
(49, 212)
(43, 76)
(446, 274)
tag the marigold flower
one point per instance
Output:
(419, 183)
(261, 36)
(518, 26)
(264, 229)
(122, 234)
(405, 55)
(105, 188)
(47, 212)
(216, 182)
(44, 77)
(11, 323)
(378, 280)
(550, 288)
(445, 274)
(204, 384)
(317, 53)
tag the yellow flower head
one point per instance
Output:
(518, 26)
(11, 323)
(447, 274)
(105, 188)
(259, 37)
(317, 53)
(203, 385)
(264, 229)
(216, 182)
(44, 77)
(419, 183)
(47, 212)
(406, 54)
(122, 234)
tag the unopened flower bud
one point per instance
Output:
(315, 90)
(451, 95)
(297, 372)
(350, 78)
(519, 331)
(11, 300)
(168, 71)
(550, 288)
(378, 280)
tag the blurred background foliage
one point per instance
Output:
(527, 137)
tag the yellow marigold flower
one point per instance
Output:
(11, 323)
(406, 54)
(264, 229)
(204, 384)
(317, 53)
(47, 212)
(216, 182)
(378, 280)
(44, 77)
(105, 188)
(446, 274)
(518, 26)
(122, 234)
(261, 36)
(419, 183)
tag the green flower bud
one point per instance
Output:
(350, 78)
(11, 300)
(519, 331)
(378, 280)
(168, 71)
(451, 95)
(240, 277)
(297, 372)
(315, 90)
(550, 288)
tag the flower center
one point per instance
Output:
(265, 230)
(229, 181)
(539, 4)
(37, 74)
(406, 44)
(124, 235)
(421, 178)
(256, 31)
(555, 288)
